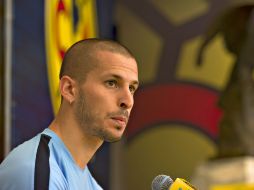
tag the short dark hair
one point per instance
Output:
(80, 58)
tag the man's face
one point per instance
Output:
(106, 97)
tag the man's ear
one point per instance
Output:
(68, 88)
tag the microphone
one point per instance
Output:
(164, 182)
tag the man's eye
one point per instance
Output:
(132, 89)
(111, 83)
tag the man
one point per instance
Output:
(97, 81)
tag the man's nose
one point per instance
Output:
(126, 100)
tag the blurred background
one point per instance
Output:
(194, 104)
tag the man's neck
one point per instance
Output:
(81, 146)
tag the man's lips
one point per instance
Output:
(120, 120)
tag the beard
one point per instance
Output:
(90, 122)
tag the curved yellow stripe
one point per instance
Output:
(60, 34)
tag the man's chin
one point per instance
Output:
(112, 139)
(111, 134)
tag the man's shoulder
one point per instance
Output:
(24, 151)
(17, 169)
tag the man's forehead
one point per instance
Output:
(116, 60)
(107, 53)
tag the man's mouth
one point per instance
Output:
(120, 120)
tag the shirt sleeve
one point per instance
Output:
(16, 175)
(17, 170)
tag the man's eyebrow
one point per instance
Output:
(135, 82)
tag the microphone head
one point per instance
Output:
(161, 182)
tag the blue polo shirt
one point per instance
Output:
(44, 162)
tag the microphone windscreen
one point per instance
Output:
(161, 182)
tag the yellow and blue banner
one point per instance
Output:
(66, 22)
